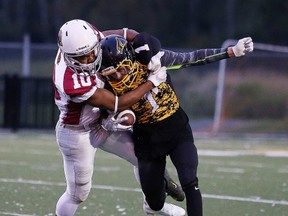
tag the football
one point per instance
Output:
(131, 118)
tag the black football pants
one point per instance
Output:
(185, 158)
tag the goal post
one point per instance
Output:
(218, 110)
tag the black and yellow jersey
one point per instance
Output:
(156, 105)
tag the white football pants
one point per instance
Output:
(78, 149)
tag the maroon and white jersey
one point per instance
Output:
(71, 92)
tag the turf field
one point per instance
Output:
(245, 176)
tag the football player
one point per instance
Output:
(80, 97)
(162, 127)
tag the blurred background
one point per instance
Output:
(255, 91)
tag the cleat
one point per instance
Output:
(167, 210)
(173, 189)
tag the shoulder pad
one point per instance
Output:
(145, 46)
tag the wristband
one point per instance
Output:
(116, 104)
(125, 32)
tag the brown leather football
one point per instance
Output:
(131, 118)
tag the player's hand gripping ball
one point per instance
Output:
(128, 115)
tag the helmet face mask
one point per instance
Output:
(77, 38)
(123, 72)
(128, 65)
(83, 69)
(127, 80)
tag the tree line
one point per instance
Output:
(180, 23)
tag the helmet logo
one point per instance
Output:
(145, 47)
(120, 45)
(59, 40)
(81, 48)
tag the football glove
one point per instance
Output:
(158, 76)
(243, 46)
(113, 124)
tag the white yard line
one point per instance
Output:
(246, 199)
(238, 153)
(115, 188)
(15, 214)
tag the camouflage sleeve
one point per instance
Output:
(177, 60)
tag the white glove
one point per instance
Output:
(158, 76)
(243, 46)
(155, 62)
(113, 124)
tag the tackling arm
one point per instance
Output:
(128, 34)
(105, 99)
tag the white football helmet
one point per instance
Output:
(77, 38)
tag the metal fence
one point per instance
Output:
(26, 88)
(27, 102)
(27, 59)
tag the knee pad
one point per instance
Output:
(83, 184)
(192, 184)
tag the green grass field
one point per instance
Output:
(238, 177)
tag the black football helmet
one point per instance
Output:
(116, 51)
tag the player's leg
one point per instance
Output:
(152, 174)
(78, 159)
(185, 159)
(121, 144)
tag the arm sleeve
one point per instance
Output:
(177, 60)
